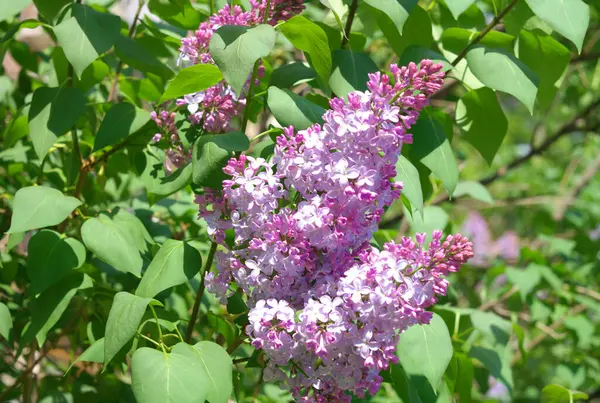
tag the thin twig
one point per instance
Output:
(196, 308)
(504, 297)
(349, 21)
(483, 33)
(570, 197)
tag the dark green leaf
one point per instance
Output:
(457, 39)
(350, 72)
(180, 13)
(158, 184)
(16, 130)
(496, 361)
(235, 49)
(291, 74)
(396, 10)
(51, 257)
(457, 7)
(53, 112)
(415, 53)
(175, 263)
(482, 121)
(120, 121)
(310, 38)
(211, 154)
(135, 55)
(39, 207)
(192, 79)
(50, 8)
(416, 31)
(124, 318)
(291, 109)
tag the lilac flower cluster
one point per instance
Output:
(326, 308)
(216, 107)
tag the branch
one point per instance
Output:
(196, 308)
(349, 21)
(483, 33)
(570, 197)
(584, 57)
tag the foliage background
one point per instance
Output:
(521, 115)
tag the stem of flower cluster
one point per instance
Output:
(249, 98)
(196, 308)
(349, 21)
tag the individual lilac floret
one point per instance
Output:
(176, 155)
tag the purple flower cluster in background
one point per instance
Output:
(484, 247)
(326, 307)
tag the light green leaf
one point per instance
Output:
(180, 13)
(16, 130)
(310, 38)
(9, 8)
(159, 184)
(457, 7)
(526, 279)
(409, 176)
(188, 374)
(120, 121)
(124, 318)
(175, 263)
(495, 329)
(416, 30)
(482, 121)
(560, 394)
(432, 147)
(192, 79)
(51, 257)
(396, 10)
(548, 59)
(350, 72)
(547, 274)
(291, 109)
(39, 207)
(6, 323)
(569, 17)
(426, 350)
(53, 112)
(86, 34)
(474, 189)
(235, 49)
(456, 39)
(496, 361)
(211, 154)
(433, 218)
(502, 71)
(94, 353)
(416, 53)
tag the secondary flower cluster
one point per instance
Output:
(214, 108)
(326, 307)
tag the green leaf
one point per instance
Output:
(426, 350)
(432, 147)
(350, 72)
(86, 34)
(482, 121)
(416, 53)
(495, 329)
(416, 30)
(49, 306)
(560, 394)
(180, 13)
(292, 74)
(310, 38)
(433, 218)
(16, 130)
(11, 7)
(120, 121)
(457, 7)
(526, 279)
(291, 109)
(548, 59)
(158, 184)
(568, 17)
(51, 257)
(235, 49)
(124, 318)
(53, 112)
(94, 353)
(457, 39)
(175, 263)
(464, 378)
(6, 323)
(132, 53)
(547, 274)
(112, 242)
(39, 207)
(192, 79)
(474, 189)
(396, 10)
(211, 154)
(502, 71)
(496, 361)
(409, 176)
(50, 8)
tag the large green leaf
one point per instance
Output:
(396, 10)
(560, 394)
(291, 109)
(310, 38)
(502, 71)
(291, 74)
(124, 318)
(53, 112)
(456, 39)
(350, 72)
(409, 176)
(86, 34)
(115, 241)
(49, 306)
(135, 55)
(416, 30)
(432, 147)
(426, 350)
(94, 353)
(526, 279)
(416, 53)
(180, 13)
(50, 257)
(192, 79)
(496, 361)
(569, 17)
(120, 121)
(188, 374)
(548, 59)
(50, 8)
(211, 154)
(457, 7)
(175, 263)
(159, 184)
(39, 207)
(12, 7)
(6, 323)
(235, 49)
(482, 121)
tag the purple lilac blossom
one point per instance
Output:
(326, 308)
